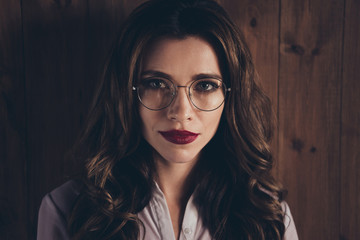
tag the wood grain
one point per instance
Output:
(104, 21)
(13, 191)
(307, 56)
(350, 125)
(55, 42)
(259, 21)
(309, 113)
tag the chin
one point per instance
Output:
(179, 157)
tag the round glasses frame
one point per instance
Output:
(174, 94)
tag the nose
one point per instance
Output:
(181, 108)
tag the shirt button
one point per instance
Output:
(187, 231)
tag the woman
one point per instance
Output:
(177, 141)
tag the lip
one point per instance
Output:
(179, 136)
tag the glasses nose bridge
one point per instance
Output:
(187, 92)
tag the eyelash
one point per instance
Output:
(149, 81)
(155, 83)
(213, 85)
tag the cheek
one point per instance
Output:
(148, 121)
(144, 116)
(211, 122)
(215, 118)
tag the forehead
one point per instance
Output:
(191, 55)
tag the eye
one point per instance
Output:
(155, 83)
(206, 85)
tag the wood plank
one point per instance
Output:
(55, 42)
(309, 113)
(105, 19)
(350, 125)
(259, 21)
(12, 125)
(66, 43)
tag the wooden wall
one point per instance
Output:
(307, 54)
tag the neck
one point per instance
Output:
(175, 180)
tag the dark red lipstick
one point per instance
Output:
(179, 136)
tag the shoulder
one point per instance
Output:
(55, 209)
(290, 229)
(64, 196)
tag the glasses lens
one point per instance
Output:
(207, 94)
(156, 93)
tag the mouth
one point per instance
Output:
(179, 136)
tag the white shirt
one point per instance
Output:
(56, 208)
(158, 225)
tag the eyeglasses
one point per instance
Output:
(157, 93)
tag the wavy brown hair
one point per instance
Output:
(239, 198)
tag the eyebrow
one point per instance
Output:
(153, 73)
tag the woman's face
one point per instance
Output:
(179, 132)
